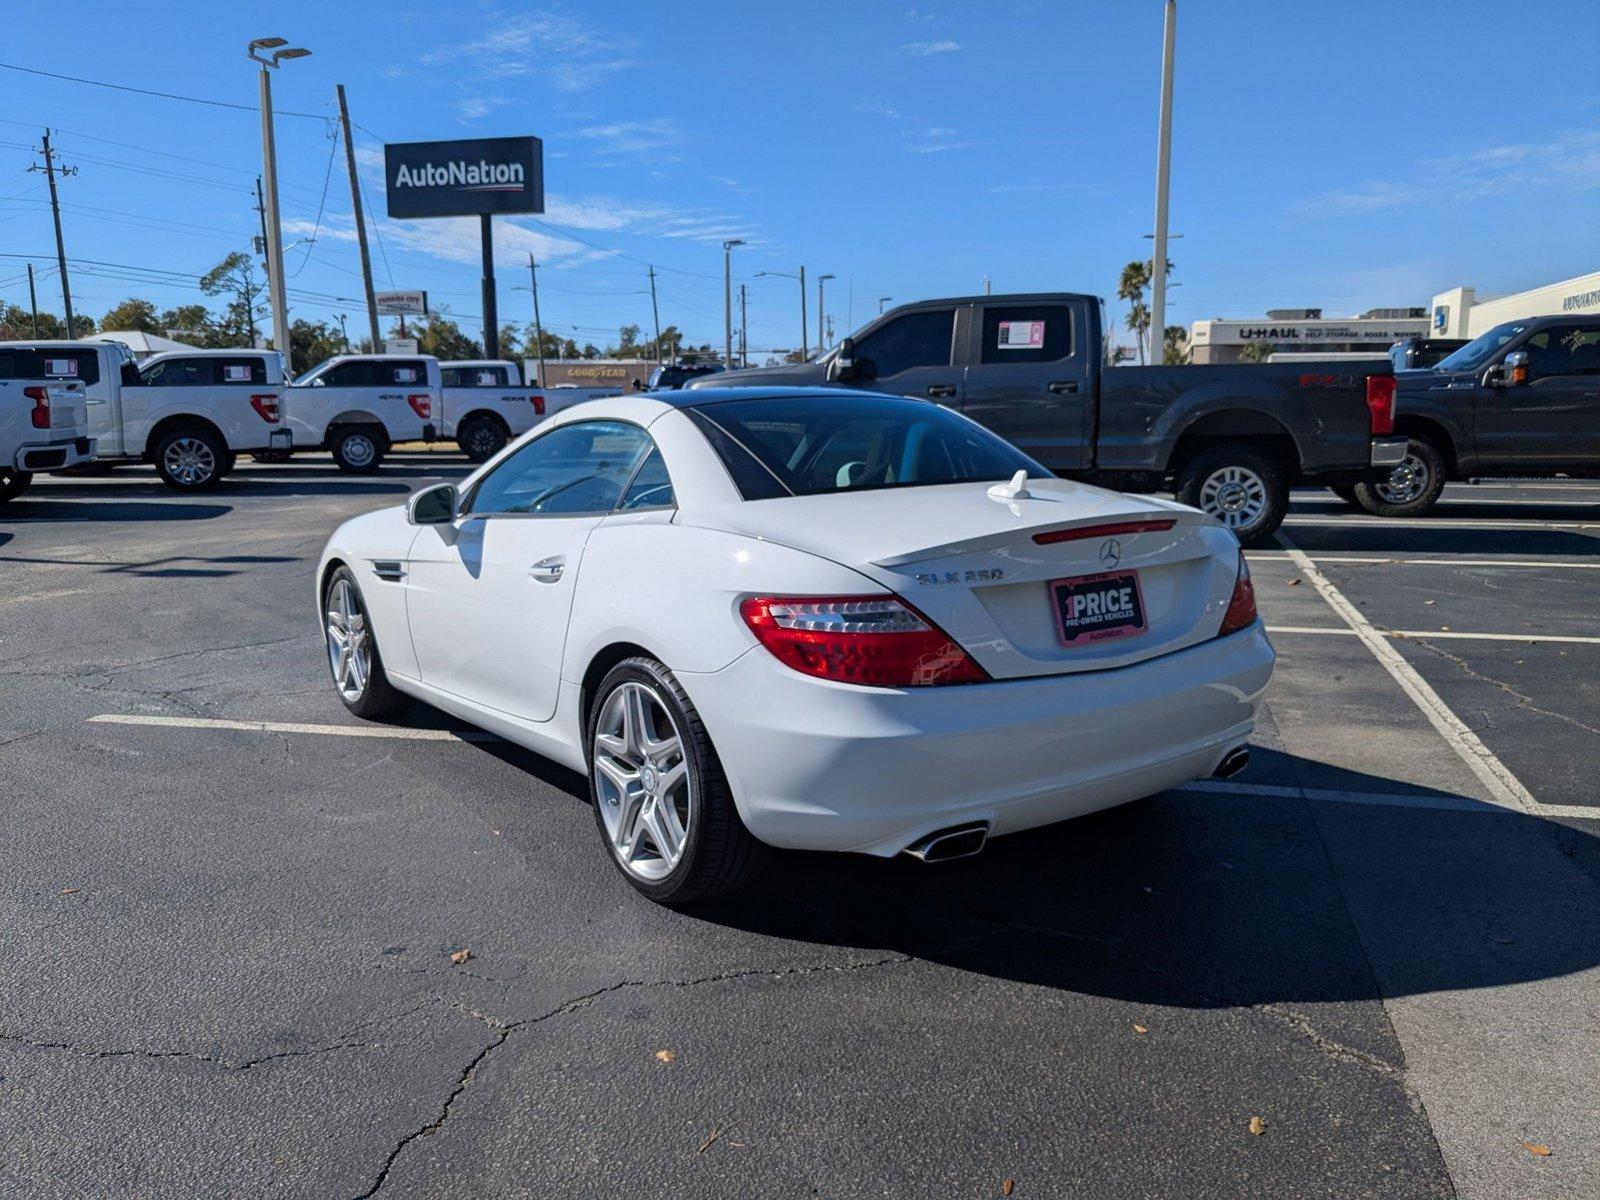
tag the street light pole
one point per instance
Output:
(269, 164)
(821, 349)
(1158, 261)
(882, 300)
(727, 301)
(805, 334)
(744, 328)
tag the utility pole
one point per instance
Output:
(269, 165)
(805, 334)
(1158, 261)
(33, 301)
(538, 326)
(830, 331)
(655, 313)
(821, 317)
(986, 289)
(343, 336)
(744, 330)
(50, 172)
(261, 211)
(361, 222)
(727, 300)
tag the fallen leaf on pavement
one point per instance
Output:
(460, 956)
(1296, 583)
(1257, 1126)
(68, 891)
(666, 1056)
(1140, 1029)
(1536, 1148)
(1006, 1186)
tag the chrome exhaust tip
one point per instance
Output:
(1232, 763)
(959, 841)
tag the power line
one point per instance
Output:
(121, 87)
(333, 145)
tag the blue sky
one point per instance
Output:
(1343, 155)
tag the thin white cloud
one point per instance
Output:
(539, 43)
(928, 49)
(1568, 161)
(472, 108)
(879, 110)
(633, 137)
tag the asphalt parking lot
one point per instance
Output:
(230, 911)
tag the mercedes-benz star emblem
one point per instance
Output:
(1110, 552)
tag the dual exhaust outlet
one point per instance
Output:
(963, 841)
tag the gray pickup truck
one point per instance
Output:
(1230, 440)
(1522, 399)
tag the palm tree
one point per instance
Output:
(1135, 278)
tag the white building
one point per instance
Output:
(1304, 331)
(1459, 313)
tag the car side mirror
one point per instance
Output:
(432, 506)
(1510, 372)
(842, 366)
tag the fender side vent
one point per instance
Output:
(388, 571)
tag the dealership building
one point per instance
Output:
(1293, 332)
(1459, 313)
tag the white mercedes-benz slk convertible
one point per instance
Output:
(819, 619)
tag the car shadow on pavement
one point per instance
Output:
(28, 511)
(1441, 538)
(1216, 900)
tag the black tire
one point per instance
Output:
(1217, 479)
(191, 459)
(481, 438)
(1346, 492)
(358, 449)
(376, 699)
(719, 854)
(1412, 488)
(13, 483)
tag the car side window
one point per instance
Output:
(179, 372)
(917, 339)
(1026, 333)
(577, 469)
(349, 374)
(651, 486)
(1564, 350)
(78, 366)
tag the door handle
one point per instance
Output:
(941, 390)
(1062, 387)
(548, 570)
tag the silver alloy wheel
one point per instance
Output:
(1236, 496)
(641, 782)
(349, 646)
(358, 449)
(189, 460)
(1406, 482)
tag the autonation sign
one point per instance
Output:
(465, 178)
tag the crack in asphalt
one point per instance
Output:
(225, 1064)
(116, 669)
(1523, 700)
(504, 1030)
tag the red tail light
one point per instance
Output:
(420, 405)
(879, 641)
(1380, 402)
(1111, 530)
(266, 408)
(538, 405)
(41, 406)
(1241, 612)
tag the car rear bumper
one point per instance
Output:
(53, 456)
(822, 766)
(1388, 451)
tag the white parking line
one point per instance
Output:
(357, 731)
(1433, 523)
(1505, 787)
(1441, 634)
(1361, 560)
(1432, 800)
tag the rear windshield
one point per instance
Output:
(808, 445)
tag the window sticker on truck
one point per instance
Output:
(1021, 335)
(405, 374)
(61, 366)
(236, 374)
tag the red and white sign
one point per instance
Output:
(1021, 335)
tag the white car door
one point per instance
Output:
(489, 595)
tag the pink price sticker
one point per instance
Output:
(1021, 335)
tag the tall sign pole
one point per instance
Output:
(1158, 261)
(538, 325)
(491, 318)
(361, 222)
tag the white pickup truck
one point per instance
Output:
(188, 413)
(485, 406)
(44, 424)
(358, 405)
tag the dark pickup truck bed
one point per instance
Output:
(1230, 440)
